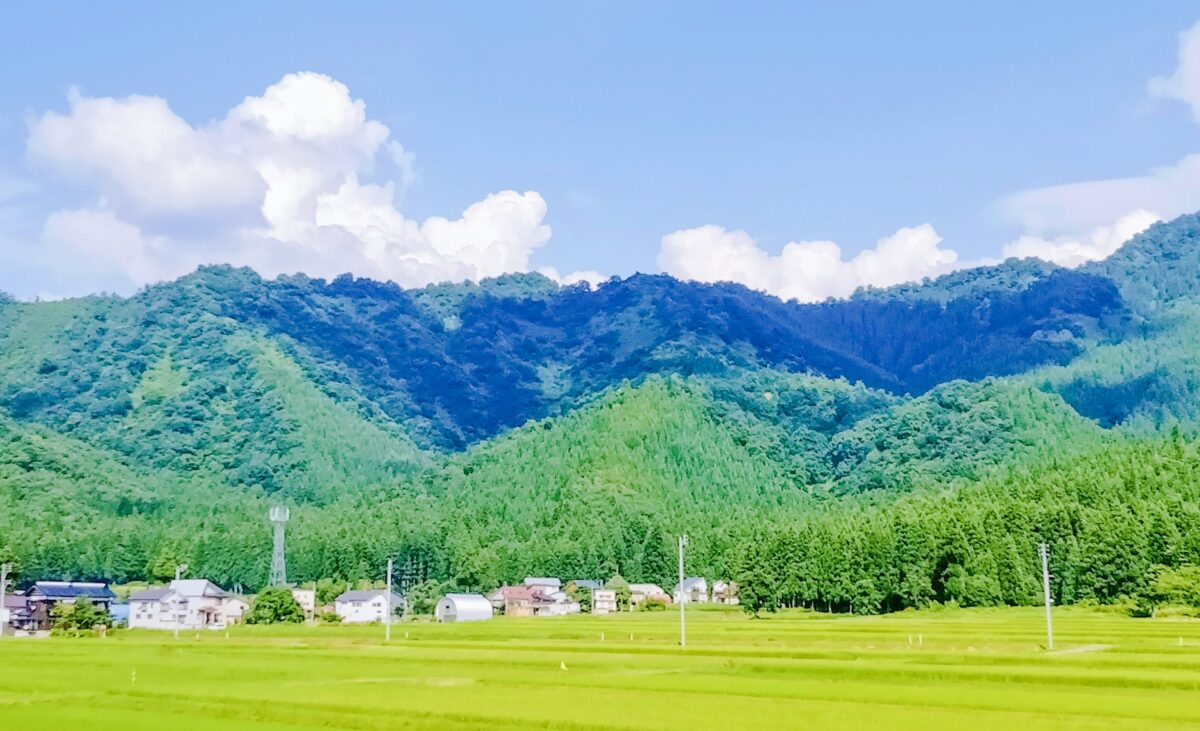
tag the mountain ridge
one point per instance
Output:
(359, 403)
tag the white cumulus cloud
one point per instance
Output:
(282, 183)
(1073, 251)
(808, 271)
(1184, 83)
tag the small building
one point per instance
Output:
(235, 607)
(307, 599)
(363, 606)
(512, 601)
(15, 615)
(639, 593)
(554, 604)
(725, 592)
(693, 590)
(543, 584)
(463, 608)
(45, 595)
(604, 601)
(188, 604)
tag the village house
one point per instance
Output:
(577, 585)
(693, 590)
(542, 584)
(512, 601)
(604, 601)
(463, 608)
(188, 604)
(639, 593)
(307, 599)
(236, 607)
(15, 615)
(363, 606)
(45, 595)
(724, 592)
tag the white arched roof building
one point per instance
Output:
(463, 608)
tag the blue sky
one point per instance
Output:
(741, 130)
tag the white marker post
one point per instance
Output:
(387, 622)
(1044, 552)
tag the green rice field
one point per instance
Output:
(953, 669)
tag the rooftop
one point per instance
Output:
(71, 590)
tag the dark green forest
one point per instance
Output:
(901, 447)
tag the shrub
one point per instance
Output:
(275, 606)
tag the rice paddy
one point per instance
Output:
(959, 669)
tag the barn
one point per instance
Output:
(463, 608)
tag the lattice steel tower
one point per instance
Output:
(279, 518)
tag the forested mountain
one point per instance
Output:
(478, 432)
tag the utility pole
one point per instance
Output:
(387, 622)
(179, 571)
(5, 569)
(682, 596)
(1044, 552)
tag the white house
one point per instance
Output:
(694, 589)
(639, 593)
(463, 608)
(365, 605)
(188, 604)
(307, 599)
(235, 608)
(604, 601)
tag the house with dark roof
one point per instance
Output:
(45, 595)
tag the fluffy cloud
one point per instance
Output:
(276, 184)
(808, 271)
(1184, 84)
(1074, 223)
(1072, 251)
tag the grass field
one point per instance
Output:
(963, 669)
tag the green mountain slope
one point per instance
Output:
(480, 432)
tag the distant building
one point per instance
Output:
(235, 609)
(604, 601)
(45, 595)
(543, 584)
(187, 604)
(15, 615)
(463, 608)
(307, 599)
(512, 601)
(693, 590)
(639, 593)
(724, 592)
(363, 606)
(582, 585)
(554, 604)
